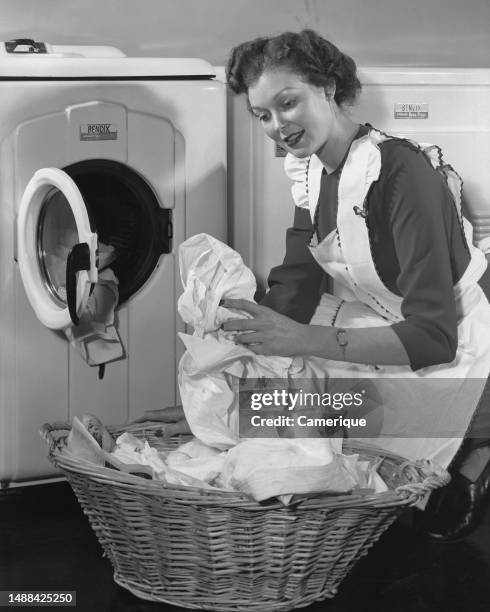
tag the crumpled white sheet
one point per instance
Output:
(282, 467)
(192, 464)
(209, 373)
(212, 365)
(262, 467)
(198, 460)
(130, 449)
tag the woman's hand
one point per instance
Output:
(173, 418)
(268, 332)
(170, 414)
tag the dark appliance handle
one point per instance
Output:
(34, 47)
(166, 230)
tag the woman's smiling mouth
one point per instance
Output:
(293, 139)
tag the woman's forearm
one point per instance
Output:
(372, 345)
(270, 333)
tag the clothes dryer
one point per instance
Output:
(109, 150)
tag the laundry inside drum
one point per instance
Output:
(124, 212)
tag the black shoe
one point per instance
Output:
(457, 509)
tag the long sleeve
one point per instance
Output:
(295, 284)
(425, 231)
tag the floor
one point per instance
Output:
(46, 543)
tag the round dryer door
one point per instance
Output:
(56, 249)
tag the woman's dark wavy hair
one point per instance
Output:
(315, 59)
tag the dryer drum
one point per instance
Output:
(124, 212)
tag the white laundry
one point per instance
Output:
(211, 367)
(260, 468)
(192, 464)
(198, 460)
(209, 269)
(266, 467)
(95, 338)
(282, 467)
(129, 449)
(209, 374)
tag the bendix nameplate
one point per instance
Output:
(98, 131)
(411, 110)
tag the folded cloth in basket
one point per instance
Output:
(282, 467)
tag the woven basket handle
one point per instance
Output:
(435, 477)
(48, 431)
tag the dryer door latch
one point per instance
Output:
(166, 230)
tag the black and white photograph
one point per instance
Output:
(244, 305)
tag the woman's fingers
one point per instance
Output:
(173, 429)
(257, 323)
(246, 305)
(243, 325)
(249, 338)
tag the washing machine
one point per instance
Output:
(110, 150)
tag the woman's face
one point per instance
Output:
(292, 112)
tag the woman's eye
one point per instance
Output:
(289, 103)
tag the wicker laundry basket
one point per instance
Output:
(222, 551)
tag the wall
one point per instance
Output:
(376, 32)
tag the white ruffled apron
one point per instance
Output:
(436, 401)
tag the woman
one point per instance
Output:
(378, 215)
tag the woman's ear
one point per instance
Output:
(330, 91)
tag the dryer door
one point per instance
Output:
(56, 248)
